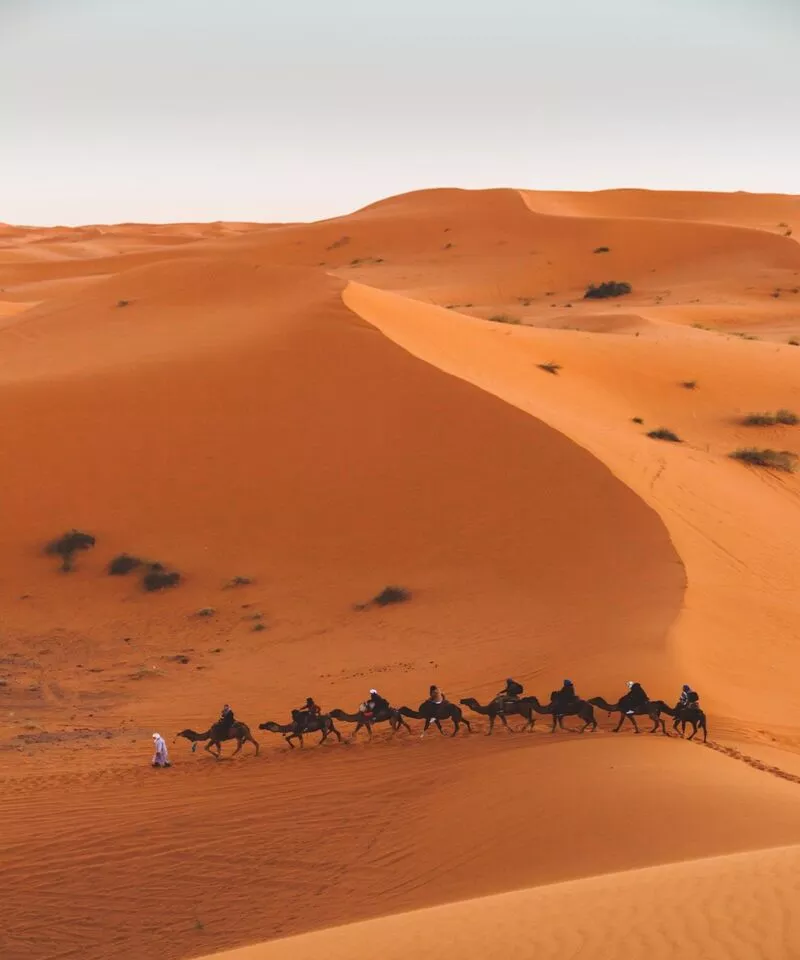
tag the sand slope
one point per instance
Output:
(727, 908)
(324, 408)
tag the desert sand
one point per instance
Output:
(328, 408)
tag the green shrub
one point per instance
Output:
(771, 459)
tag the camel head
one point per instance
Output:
(469, 702)
(269, 725)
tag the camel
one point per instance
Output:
(380, 716)
(215, 735)
(683, 715)
(650, 709)
(432, 712)
(577, 708)
(495, 710)
(292, 731)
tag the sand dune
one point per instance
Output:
(324, 408)
(726, 908)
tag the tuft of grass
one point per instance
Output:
(549, 367)
(664, 434)
(785, 417)
(793, 343)
(609, 288)
(636, 420)
(602, 250)
(744, 336)
(258, 627)
(123, 303)
(205, 612)
(238, 582)
(689, 384)
(700, 326)
(504, 318)
(783, 460)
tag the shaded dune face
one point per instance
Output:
(292, 439)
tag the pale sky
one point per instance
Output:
(274, 110)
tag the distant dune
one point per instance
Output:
(418, 394)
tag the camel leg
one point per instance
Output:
(424, 729)
(528, 724)
(632, 719)
(467, 724)
(505, 722)
(663, 725)
(208, 747)
(239, 743)
(254, 742)
(439, 725)
(338, 735)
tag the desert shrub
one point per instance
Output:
(664, 434)
(793, 343)
(123, 564)
(689, 384)
(549, 367)
(504, 318)
(637, 420)
(67, 545)
(157, 578)
(609, 288)
(123, 303)
(205, 612)
(744, 336)
(772, 459)
(787, 418)
(387, 596)
(602, 250)
(784, 417)
(391, 595)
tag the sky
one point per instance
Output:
(281, 110)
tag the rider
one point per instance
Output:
(375, 704)
(688, 698)
(226, 719)
(635, 698)
(511, 691)
(308, 712)
(565, 696)
(436, 695)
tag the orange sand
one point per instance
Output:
(324, 408)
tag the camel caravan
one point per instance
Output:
(509, 702)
